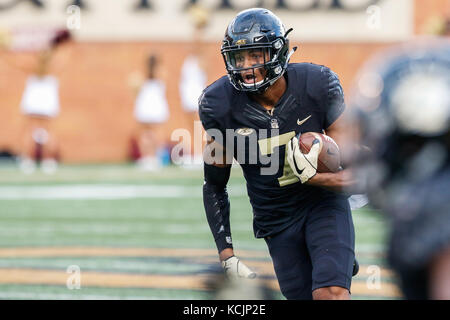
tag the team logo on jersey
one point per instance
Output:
(274, 124)
(245, 131)
(300, 122)
(256, 39)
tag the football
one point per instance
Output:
(329, 157)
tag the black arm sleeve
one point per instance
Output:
(217, 205)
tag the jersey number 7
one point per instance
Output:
(268, 145)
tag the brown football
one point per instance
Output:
(329, 157)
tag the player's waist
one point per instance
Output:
(296, 196)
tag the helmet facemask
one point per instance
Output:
(255, 67)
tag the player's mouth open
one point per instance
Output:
(249, 78)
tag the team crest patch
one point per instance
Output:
(245, 131)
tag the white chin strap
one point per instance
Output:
(249, 85)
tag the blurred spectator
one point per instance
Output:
(151, 111)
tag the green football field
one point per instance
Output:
(131, 234)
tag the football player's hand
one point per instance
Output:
(303, 165)
(235, 268)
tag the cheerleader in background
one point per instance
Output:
(40, 106)
(151, 112)
(194, 79)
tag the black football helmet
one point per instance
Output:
(401, 100)
(256, 28)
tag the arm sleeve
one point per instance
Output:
(215, 195)
(333, 97)
(217, 204)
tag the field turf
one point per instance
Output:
(140, 235)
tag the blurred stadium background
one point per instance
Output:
(142, 234)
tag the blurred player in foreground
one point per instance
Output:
(222, 287)
(402, 99)
(265, 102)
(151, 112)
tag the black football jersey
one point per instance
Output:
(257, 138)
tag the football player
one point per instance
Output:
(403, 103)
(254, 116)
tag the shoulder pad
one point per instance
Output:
(309, 78)
(215, 102)
(322, 84)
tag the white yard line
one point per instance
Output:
(105, 192)
(61, 296)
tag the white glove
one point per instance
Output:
(235, 268)
(303, 165)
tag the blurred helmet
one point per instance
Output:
(256, 28)
(402, 103)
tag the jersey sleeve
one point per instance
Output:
(212, 106)
(333, 96)
(206, 112)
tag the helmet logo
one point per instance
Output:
(277, 45)
(278, 70)
(241, 42)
